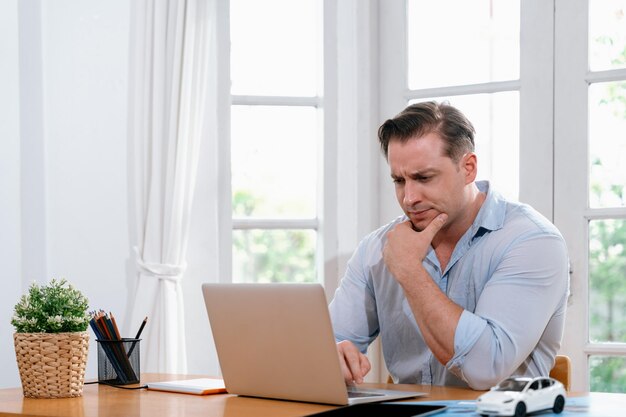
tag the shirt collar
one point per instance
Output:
(491, 215)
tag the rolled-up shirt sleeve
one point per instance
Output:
(516, 306)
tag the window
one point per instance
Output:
(590, 178)
(283, 92)
(486, 90)
(495, 60)
(276, 136)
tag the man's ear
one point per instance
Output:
(469, 164)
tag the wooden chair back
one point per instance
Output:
(562, 371)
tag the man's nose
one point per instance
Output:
(412, 193)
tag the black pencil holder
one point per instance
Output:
(118, 361)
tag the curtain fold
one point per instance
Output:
(169, 59)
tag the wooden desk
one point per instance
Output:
(104, 401)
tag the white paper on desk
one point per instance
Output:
(198, 386)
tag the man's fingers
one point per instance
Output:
(347, 375)
(365, 364)
(354, 363)
(353, 366)
(435, 225)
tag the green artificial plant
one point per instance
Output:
(53, 308)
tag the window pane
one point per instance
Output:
(607, 144)
(607, 373)
(274, 47)
(455, 42)
(496, 120)
(274, 161)
(607, 34)
(274, 256)
(607, 280)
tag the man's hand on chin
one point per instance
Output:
(406, 249)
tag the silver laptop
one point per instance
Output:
(276, 341)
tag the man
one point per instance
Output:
(466, 288)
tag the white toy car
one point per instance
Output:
(518, 396)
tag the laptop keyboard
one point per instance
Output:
(354, 393)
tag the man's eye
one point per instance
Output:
(424, 179)
(398, 180)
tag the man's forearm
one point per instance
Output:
(436, 315)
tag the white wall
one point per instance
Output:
(10, 241)
(63, 183)
(85, 59)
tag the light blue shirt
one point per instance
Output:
(509, 272)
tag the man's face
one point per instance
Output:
(428, 182)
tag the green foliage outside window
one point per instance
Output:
(270, 255)
(607, 266)
(608, 374)
(607, 272)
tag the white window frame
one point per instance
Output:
(365, 83)
(554, 79)
(226, 223)
(535, 86)
(572, 212)
(347, 201)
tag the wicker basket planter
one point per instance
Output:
(52, 365)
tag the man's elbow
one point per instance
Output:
(482, 381)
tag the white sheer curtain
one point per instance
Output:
(169, 65)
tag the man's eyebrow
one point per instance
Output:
(418, 173)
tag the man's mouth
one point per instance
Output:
(418, 213)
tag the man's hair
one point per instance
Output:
(421, 119)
